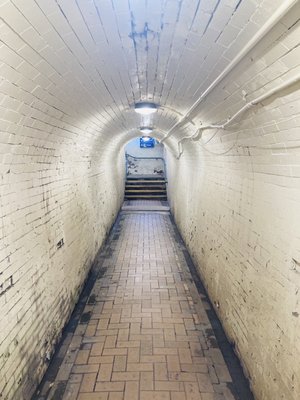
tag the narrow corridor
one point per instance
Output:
(191, 102)
(143, 330)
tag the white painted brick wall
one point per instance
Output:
(239, 212)
(45, 199)
(55, 184)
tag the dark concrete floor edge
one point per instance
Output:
(241, 385)
(71, 324)
(234, 366)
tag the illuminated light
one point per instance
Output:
(146, 129)
(146, 138)
(145, 108)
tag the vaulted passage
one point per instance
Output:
(221, 82)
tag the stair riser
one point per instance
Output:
(146, 189)
(146, 198)
(145, 194)
(143, 184)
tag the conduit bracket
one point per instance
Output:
(198, 134)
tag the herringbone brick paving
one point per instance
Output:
(143, 331)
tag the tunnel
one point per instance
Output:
(221, 78)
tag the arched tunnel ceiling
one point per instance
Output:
(93, 59)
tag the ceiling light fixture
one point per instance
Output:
(146, 138)
(146, 129)
(145, 108)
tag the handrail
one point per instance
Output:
(146, 158)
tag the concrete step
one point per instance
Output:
(145, 188)
(148, 190)
(145, 177)
(152, 184)
(146, 182)
(145, 196)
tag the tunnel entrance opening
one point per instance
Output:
(145, 172)
(143, 159)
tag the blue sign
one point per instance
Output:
(147, 141)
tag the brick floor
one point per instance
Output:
(144, 332)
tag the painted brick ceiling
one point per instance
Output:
(93, 59)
